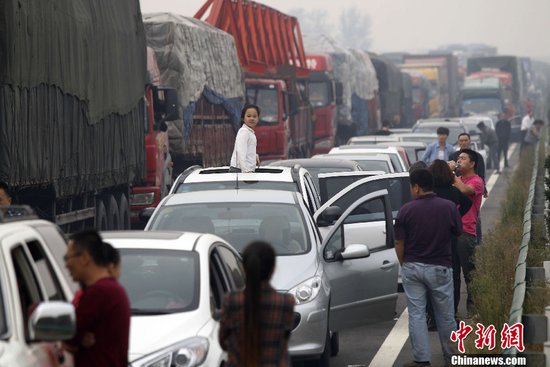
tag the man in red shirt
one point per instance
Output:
(103, 309)
(472, 185)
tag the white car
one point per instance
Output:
(35, 309)
(398, 161)
(176, 282)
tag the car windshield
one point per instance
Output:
(373, 165)
(245, 184)
(481, 106)
(240, 223)
(266, 99)
(319, 93)
(315, 171)
(160, 281)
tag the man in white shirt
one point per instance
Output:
(526, 124)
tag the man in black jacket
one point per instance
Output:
(503, 129)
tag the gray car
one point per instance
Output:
(357, 281)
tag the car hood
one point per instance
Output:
(292, 270)
(149, 334)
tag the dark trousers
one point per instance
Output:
(466, 245)
(522, 134)
(503, 148)
(492, 159)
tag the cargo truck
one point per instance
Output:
(71, 96)
(488, 92)
(200, 62)
(271, 54)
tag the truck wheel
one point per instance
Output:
(124, 211)
(113, 216)
(100, 216)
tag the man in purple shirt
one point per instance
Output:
(423, 230)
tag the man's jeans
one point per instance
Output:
(419, 281)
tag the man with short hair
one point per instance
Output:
(423, 230)
(103, 309)
(464, 142)
(503, 129)
(472, 185)
(439, 149)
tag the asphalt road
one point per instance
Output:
(387, 344)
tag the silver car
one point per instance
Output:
(356, 281)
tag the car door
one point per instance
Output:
(363, 283)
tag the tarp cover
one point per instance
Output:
(351, 67)
(94, 50)
(195, 58)
(72, 78)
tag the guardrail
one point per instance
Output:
(535, 326)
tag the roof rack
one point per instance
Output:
(14, 213)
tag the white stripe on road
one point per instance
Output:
(396, 339)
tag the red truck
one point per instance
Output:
(271, 53)
(323, 95)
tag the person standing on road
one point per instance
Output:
(439, 149)
(256, 322)
(423, 229)
(533, 135)
(526, 124)
(490, 139)
(503, 129)
(103, 308)
(244, 157)
(443, 188)
(471, 185)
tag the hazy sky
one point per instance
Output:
(519, 27)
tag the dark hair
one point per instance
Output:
(471, 154)
(423, 178)
(91, 242)
(442, 131)
(538, 122)
(442, 174)
(4, 186)
(462, 134)
(481, 125)
(246, 107)
(259, 262)
(417, 165)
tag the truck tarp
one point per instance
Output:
(72, 76)
(196, 59)
(352, 68)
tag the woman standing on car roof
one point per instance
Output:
(256, 322)
(244, 157)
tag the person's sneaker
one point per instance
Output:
(416, 364)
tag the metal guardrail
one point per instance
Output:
(520, 284)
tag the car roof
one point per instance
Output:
(374, 148)
(231, 195)
(317, 162)
(166, 240)
(455, 121)
(403, 144)
(355, 156)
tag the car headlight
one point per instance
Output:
(142, 199)
(188, 353)
(307, 290)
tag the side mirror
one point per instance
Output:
(146, 214)
(339, 93)
(217, 314)
(329, 216)
(52, 321)
(355, 251)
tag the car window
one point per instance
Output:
(48, 277)
(315, 171)
(314, 191)
(3, 321)
(27, 285)
(218, 287)
(373, 165)
(239, 223)
(235, 267)
(399, 193)
(243, 184)
(160, 281)
(334, 245)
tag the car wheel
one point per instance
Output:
(334, 344)
(324, 359)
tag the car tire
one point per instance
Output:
(124, 211)
(113, 215)
(101, 223)
(334, 344)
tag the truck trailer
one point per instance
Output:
(71, 116)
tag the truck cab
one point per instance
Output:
(35, 310)
(323, 97)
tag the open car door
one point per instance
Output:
(363, 281)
